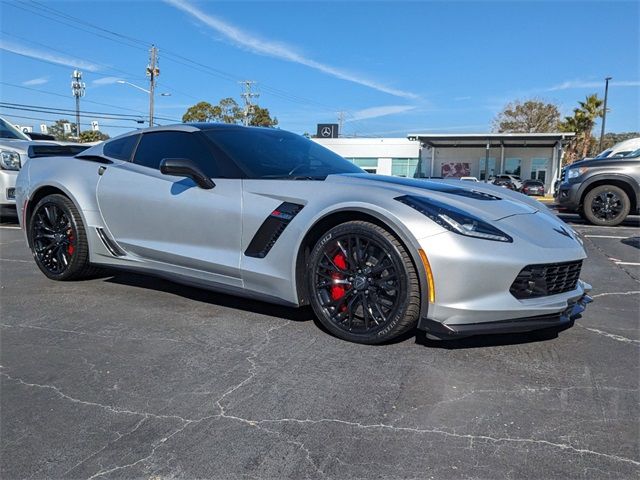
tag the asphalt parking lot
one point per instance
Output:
(133, 377)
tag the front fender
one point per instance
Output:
(621, 177)
(399, 227)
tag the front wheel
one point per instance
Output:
(364, 287)
(606, 205)
(58, 240)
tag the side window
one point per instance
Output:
(121, 148)
(154, 147)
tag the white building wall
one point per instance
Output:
(381, 148)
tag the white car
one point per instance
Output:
(621, 149)
(15, 149)
(469, 179)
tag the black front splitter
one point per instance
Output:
(563, 319)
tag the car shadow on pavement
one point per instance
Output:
(494, 340)
(632, 241)
(304, 314)
(149, 282)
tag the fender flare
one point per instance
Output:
(395, 226)
(610, 176)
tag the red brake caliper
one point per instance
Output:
(70, 237)
(338, 290)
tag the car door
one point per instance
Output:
(169, 219)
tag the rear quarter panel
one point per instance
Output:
(75, 178)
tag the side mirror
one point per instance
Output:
(183, 167)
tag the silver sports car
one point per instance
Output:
(274, 216)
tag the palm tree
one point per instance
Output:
(590, 110)
(582, 123)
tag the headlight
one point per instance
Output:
(576, 172)
(9, 160)
(454, 219)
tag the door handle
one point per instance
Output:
(101, 170)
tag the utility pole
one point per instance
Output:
(152, 72)
(604, 111)
(340, 122)
(247, 95)
(78, 89)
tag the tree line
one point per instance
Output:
(228, 111)
(537, 116)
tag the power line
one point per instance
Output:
(142, 114)
(62, 111)
(180, 59)
(94, 62)
(128, 127)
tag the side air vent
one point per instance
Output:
(109, 244)
(271, 229)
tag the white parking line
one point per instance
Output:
(9, 227)
(603, 236)
(619, 227)
(627, 263)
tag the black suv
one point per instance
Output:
(603, 191)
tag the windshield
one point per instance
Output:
(635, 153)
(605, 154)
(9, 131)
(272, 153)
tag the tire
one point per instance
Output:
(606, 205)
(58, 240)
(363, 286)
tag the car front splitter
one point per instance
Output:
(564, 319)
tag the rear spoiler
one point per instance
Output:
(36, 151)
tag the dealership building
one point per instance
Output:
(482, 155)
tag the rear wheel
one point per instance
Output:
(606, 205)
(364, 287)
(58, 240)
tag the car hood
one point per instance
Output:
(480, 199)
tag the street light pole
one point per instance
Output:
(152, 72)
(149, 92)
(604, 111)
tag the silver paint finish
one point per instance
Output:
(170, 227)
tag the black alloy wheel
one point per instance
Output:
(363, 284)
(57, 239)
(606, 205)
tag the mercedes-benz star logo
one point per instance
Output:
(325, 132)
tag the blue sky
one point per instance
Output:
(393, 67)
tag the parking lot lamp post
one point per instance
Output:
(604, 111)
(124, 82)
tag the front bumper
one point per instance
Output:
(568, 196)
(473, 277)
(528, 324)
(8, 187)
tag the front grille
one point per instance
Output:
(546, 279)
(563, 173)
(11, 193)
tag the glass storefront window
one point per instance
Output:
(368, 164)
(539, 168)
(404, 167)
(512, 166)
(491, 171)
